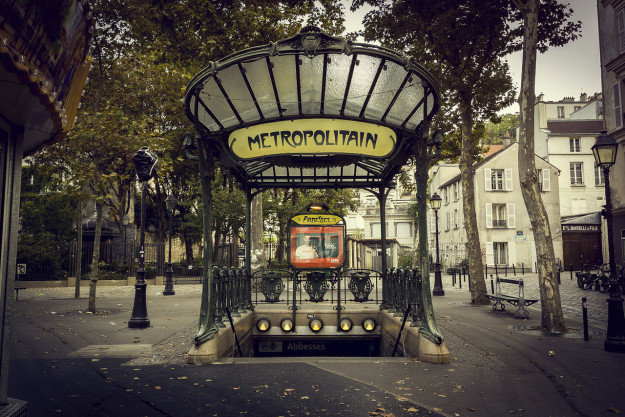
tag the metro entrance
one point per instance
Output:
(313, 112)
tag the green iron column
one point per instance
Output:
(428, 322)
(206, 328)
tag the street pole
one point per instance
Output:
(169, 282)
(438, 283)
(615, 340)
(139, 318)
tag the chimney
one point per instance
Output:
(583, 97)
(540, 97)
(507, 140)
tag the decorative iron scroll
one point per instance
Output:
(360, 285)
(316, 286)
(271, 286)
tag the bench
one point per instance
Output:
(520, 301)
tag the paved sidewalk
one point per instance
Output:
(65, 362)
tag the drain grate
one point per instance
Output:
(539, 331)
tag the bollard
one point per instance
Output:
(492, 285)
(585, 316)
(453, 277)
(571, 271)
(514, 270)
(506, 271)
(496, 271)
(522, 268)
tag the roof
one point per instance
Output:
(571, 127)
(313, 111)
(592, 218)
(492, 149)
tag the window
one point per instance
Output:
(544, 180)
(576, 108)
(560, 112)
(500, 216)
(447, 221)
(599, 177)
(574, 145)
(455, 191)
(446, 195)
(455, 218)
(576, 173)
(618, 113)
(403, 229)
(500, 252)
(496, 178)
(376, 230)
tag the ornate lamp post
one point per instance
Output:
(435, 204)
(170, 202)
(605, 149)
(145, 165)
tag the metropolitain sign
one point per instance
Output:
(312, 137)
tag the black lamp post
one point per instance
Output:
(435, 204)
(145, 164)
(605, 149)
(170, 202)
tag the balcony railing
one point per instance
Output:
(499, 223)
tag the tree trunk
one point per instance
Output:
(93, 275)
(78, 252)
(188, 247)
(474, 251)
(256, 234)
(552, 317)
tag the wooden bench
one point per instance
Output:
(519, 300)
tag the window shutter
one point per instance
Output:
(621, 29)
(618, 114)
(508, 179)
(510, 212)
(490, 256)
(512, 253)
(546, 180)
(489, 215)
(488, 184)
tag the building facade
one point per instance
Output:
(611, 16)
(506, 236)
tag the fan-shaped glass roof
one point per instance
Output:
(313, 111)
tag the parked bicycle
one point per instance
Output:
(598, 278)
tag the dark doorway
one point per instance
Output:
(581, 248)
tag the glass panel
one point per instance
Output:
(416, 119)
(362, 78)
(203, 117)
(232, 81)
(430, 104)
(284, 74)
(215, 101)
(335, 82)
(407, 100)
(258, 76)
(348, 171)
(311, 76)
(388, 83)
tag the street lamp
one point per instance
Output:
(605, 149)
(145, 163)
(435, 204)
(170, 202)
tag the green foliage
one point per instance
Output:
(406, 258)
(498, 126)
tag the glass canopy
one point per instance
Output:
(331, 83)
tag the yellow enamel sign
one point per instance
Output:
(316, 219)
(311, 137)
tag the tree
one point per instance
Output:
(552, 318)
(497, 128)
(464, 43)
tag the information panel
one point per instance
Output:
(316, 247)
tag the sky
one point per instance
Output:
(561, 72)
